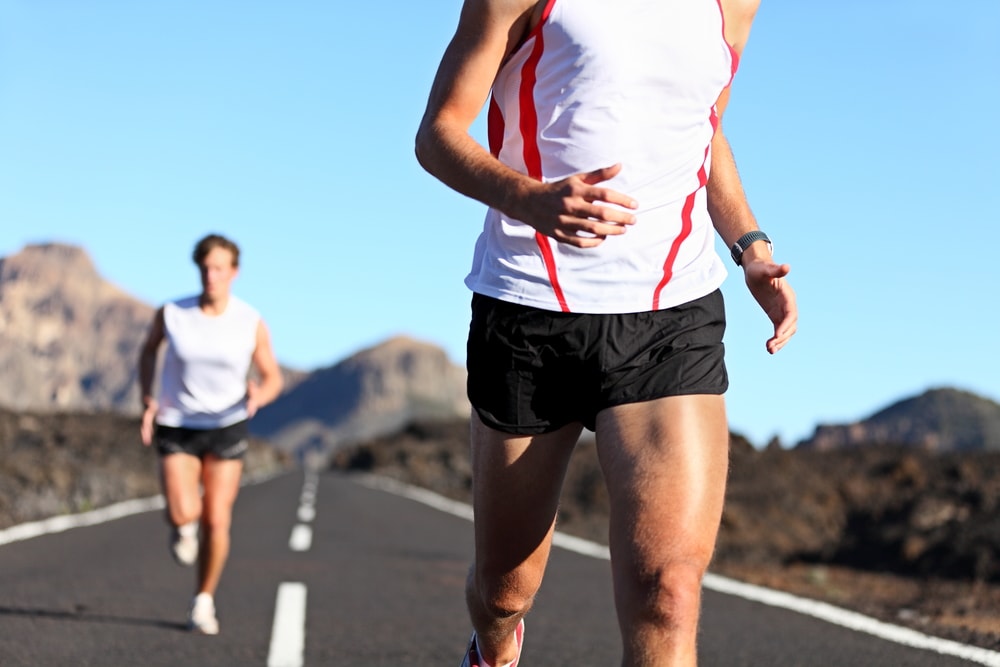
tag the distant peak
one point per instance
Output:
(940, 400)
(47, 265)
(398, 345)
(52, 254)
(54, 247)
(402, 341)
(940, 419)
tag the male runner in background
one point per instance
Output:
(198, 419)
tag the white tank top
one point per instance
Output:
(203, 382)
(594, 84)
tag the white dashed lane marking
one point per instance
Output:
(288, 634)
(301, 538)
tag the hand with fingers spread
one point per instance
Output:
(767, 283)
(576, 210)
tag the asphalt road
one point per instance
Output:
(382, 577)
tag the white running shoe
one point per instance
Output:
(202, 617)
(184, 543)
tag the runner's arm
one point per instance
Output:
(730, 210)
(265, 363)
(147, 371)
(727, 201)
(488, 31)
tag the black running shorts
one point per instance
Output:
(533, 371)
(228, 442)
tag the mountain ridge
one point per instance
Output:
(939, 419)
(69, 341)
(374, 391)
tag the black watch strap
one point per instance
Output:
(743, 242)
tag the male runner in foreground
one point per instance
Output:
(596, 292)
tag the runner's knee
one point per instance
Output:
(503, 597)
(668, 596)
(216, 518)
(505, 604)
(182, 512)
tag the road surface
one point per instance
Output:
(326, 570)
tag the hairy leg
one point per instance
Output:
(665, 463)
(221, 480)
(515, 488)
(180, 475)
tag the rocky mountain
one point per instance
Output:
(373, 392)
(938, 420)
(68, 338)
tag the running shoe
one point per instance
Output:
(184, 543)
(472, 653)
(202, 617)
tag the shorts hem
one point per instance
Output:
(513, 429)
(228, 443)
(686, 391)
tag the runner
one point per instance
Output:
(199, 419)
(596, 292)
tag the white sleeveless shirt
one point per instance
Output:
(203, 382)
(598, 83)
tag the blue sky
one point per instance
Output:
(865, 133)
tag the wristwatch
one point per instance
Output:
(743, 242)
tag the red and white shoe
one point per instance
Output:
(472, 658)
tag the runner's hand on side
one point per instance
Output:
(576, 209)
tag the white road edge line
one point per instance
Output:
(820, 610)
(58, 524)
(288, 634)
